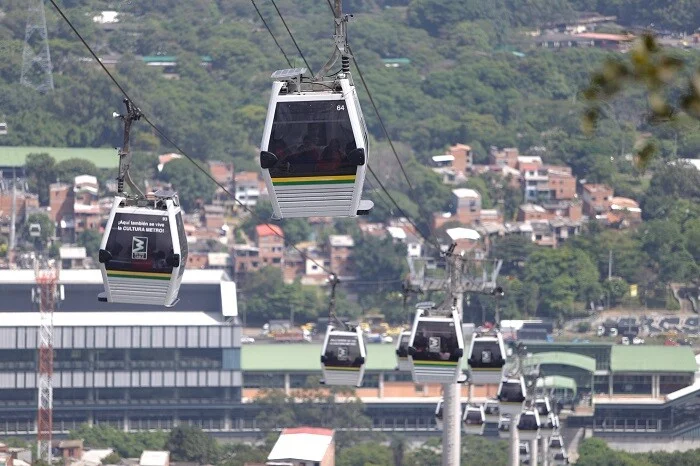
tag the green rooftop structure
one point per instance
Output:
(577, 367)
(566, 386)
(16, 156)
(657, 359)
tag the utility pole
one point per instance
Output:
(456, 283)
(36, 60)
(13, 219)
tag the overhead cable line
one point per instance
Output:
(271, 33)
(171, 142)
(292, 36)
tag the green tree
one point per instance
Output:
(428, 454)
(192, 185)
(40, 174)
(187, 443)
(47, 230)
(126, 445)
(365, 454)
(91, 240)
(66, 170)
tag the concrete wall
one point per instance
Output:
(638, 444)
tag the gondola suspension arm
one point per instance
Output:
(132, 114)
(340, 39)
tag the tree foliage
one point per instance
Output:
(126, 445)
(187, 443)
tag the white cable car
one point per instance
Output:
(560, 457)
(556, 442)
(492, 411)
(487, 356)
(529, 425)
(402, 362)
(549, 424)
(343, 357)
(438, 415)
(511, 396)
(143, 251)
(473, 420)
(504, 426)
(524, 448)
(436, 348)
(314, 149)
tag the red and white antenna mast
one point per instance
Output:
(46, 294)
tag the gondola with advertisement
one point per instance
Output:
(487, 357)
(343, 356)
(436, 347)
(402, 362)
(473, 419)
(314, 150)
(143, 251)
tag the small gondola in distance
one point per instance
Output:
(314, 149)
(511, 396)
(487, 357)
(144, 251)
(343, 357)
(529, 425)
(438, 415)
(473, 419)
(436, 347)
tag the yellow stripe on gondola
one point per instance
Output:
(487, 369)
(147, 275)
(435, 363)
(338, 368)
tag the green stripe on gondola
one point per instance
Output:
(139, 275)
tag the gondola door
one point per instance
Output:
(343, 357)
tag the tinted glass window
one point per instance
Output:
(140, 243)
(403, 345)
(343, 351)
(436, 341)
(486, 354)
(312, 138)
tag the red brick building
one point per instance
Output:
(597, 199)
(270, 242)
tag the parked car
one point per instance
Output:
(637, 341)
(247, 340)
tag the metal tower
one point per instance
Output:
(465, 273)
(36, 60)
(46, 295)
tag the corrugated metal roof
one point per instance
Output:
(652, 358)
(111, 319)
(559, 357)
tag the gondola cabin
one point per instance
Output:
(524, 450)
(487, 356)
(550, 423)
(511, 396)
(543, 406)
(143, 251)
(343, 357)
(529, 425)
(402, 362)
(473, 420)
(504, 425)
(314, 149)
(436, 348)
(555, 442)
(491, 411)
(560, 457)
(438, 415)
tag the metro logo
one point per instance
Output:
(139, 248)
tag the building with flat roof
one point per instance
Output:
(134, 367)
(302, 446)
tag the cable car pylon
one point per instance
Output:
(457, 282)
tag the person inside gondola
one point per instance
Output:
(331, 157)
(420, 343)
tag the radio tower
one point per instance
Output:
(36, 60)
(45, 295)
